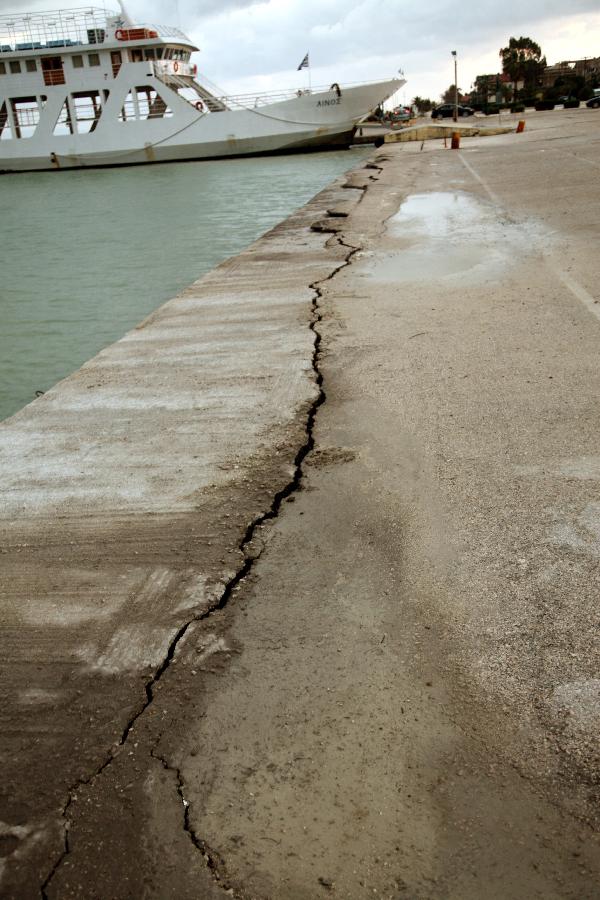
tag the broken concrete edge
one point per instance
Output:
(301, 219)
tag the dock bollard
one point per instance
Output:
(455, 140)
(521, 126)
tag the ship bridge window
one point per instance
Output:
(94, 59)
(150, 53)
(15, 66)
(31, 65)
(159, 52)
(77, 61)
(136, 55)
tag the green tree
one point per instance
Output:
(448, 96)
(423, 104)
(483, 87)
(566, 85)
(522, 60)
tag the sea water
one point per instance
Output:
(86, 255)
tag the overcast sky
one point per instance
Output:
(247, 45)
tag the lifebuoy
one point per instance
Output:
(176, 67)
(195, 70)
(119, 35)
(199, 105)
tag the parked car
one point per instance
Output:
(446, 111)
(401, 114)
(593, 102)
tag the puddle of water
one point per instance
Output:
(436, 215)
(445, 235)
(420, 263)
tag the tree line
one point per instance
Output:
(523, 63)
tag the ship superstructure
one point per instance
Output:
(89, 87)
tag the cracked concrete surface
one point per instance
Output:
(394, 690)
(122, 529)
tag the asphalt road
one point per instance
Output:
(399, 693)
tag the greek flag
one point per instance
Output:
(304, 64)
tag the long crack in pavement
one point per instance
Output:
(246, 547)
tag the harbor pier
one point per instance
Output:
(299, 578)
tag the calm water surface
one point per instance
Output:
(86, 255)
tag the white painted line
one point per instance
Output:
(578, 291)
(576, 156)
(493, 197)
(590, 303)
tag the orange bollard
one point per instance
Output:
(521, 126)
(455, 140)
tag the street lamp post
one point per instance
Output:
(455, 116)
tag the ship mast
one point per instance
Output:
(127, 20)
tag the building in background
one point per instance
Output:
(588, 69)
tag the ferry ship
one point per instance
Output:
(89, 87)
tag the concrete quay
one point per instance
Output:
(129, 492)
(300, 578)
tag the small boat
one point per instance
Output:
(85, 88)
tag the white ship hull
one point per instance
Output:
(292, 125)
(109, 93)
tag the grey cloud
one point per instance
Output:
(165, 11)
(267, 39)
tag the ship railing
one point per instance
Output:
(266, 98)
(222, 100)
(185, 78)
(28, 116)
(217, 100)
(62, 28)
(162, 31)
(70, 27)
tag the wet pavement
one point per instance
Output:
(444, 234)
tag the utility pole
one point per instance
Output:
(455, 116)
